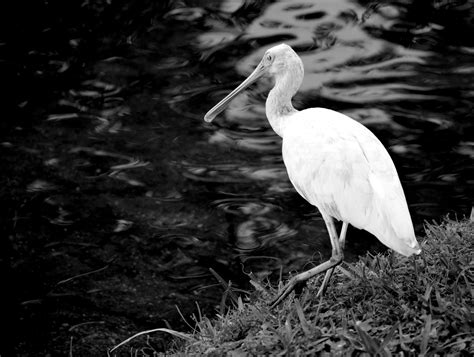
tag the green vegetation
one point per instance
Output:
(382, 304)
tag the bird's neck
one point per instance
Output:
(278, 106)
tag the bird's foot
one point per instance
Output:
(324, 285)
(302, 277)
(292, 284)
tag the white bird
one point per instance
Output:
(334, 162)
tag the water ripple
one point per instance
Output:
(231, 172)
(245, 206)
(41, 186)
(264, 142)
(260, 231)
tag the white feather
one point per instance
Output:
(339, 166)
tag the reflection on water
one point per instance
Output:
(244, 206)
(256, 232)
(257, 228)
(377, 63)
(387, 66)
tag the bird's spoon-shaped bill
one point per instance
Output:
(219, 107)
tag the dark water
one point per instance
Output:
(110, 169)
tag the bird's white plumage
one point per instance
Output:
(339, 166)
(334, 162)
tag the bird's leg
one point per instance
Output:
(327, 277)
(342, 236)
(336, 258)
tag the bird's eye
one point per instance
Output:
(269, 57)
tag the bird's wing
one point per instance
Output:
(342, 168)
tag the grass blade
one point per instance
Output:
(426, 336)
(371, 346)
(181, 335)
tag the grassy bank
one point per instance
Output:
(382, 305)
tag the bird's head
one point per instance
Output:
(276, 61)
(280, 59)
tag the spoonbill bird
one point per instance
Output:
(335, 163)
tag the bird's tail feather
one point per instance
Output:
(395, 228)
